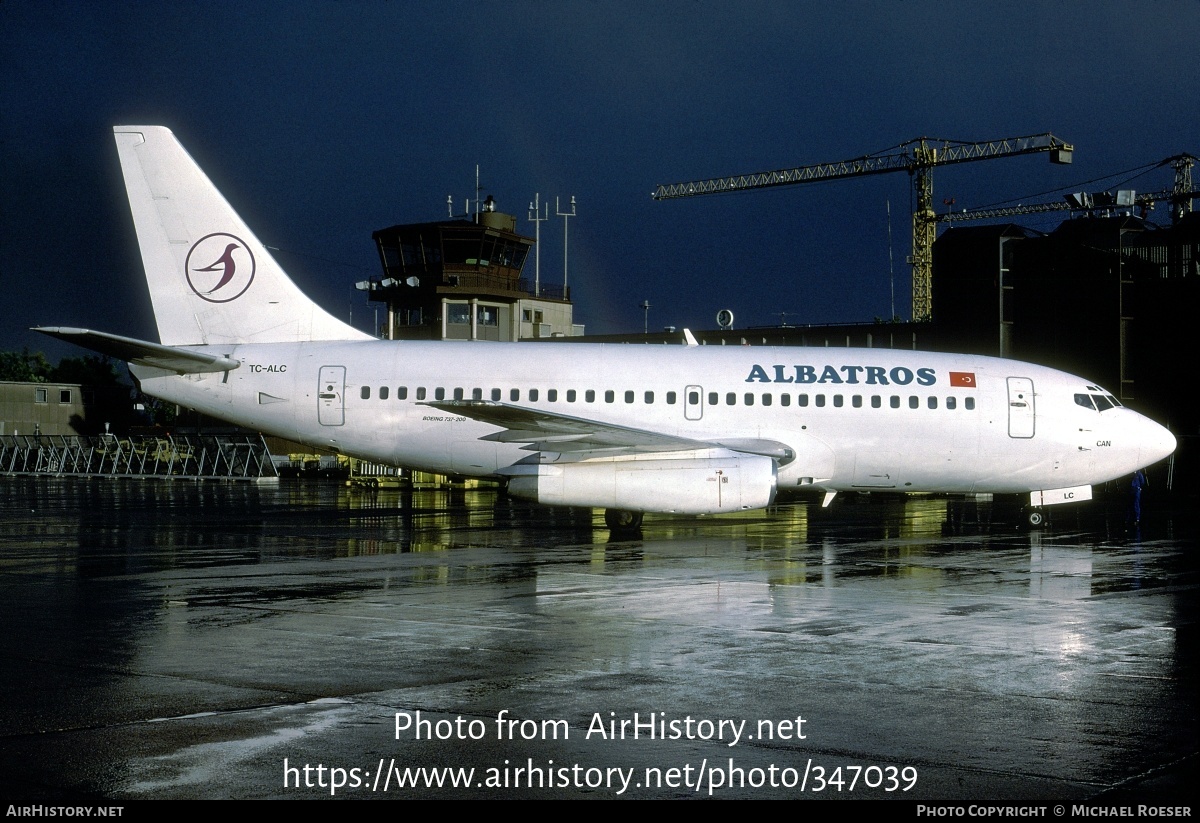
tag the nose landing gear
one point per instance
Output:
(1035, 517)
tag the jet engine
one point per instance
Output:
(694, 485)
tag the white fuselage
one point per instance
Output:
(869, 419)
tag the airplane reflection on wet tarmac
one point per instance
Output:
(182, 640)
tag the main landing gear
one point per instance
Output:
(620, 520)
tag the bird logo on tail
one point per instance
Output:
(232, 265)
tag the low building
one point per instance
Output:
(60, 408)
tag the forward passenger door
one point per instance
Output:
(1021, 413)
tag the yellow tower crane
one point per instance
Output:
(917, 157)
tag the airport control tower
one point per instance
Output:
(462, 280)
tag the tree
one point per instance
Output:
(24, 367)
(90, 370)
(94, 370)
(160, 412)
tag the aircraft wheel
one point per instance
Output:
(1036, 518)
(620, 520)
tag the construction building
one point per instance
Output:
(1108, 297)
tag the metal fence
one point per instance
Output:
(216, 456)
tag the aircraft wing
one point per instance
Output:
(142, 352)
(550, 432)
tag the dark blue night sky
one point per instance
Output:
(322, 122)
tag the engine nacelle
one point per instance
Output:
(699, 485)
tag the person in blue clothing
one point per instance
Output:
(1136, 487)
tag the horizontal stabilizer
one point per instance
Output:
(142, 352)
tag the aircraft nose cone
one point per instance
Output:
(1159, 443)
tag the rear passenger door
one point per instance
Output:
(331, 396)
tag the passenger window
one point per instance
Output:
(914, 402)
(628, 397)
(856, 401)
(458, 394)
(421, 393)
(365, 393)
(514, 395)
(533, 395)
(766, 399)
(570, 395)
(876, 401)
(731, 398)
(837, 400)
(671, 398)
(820, 400)
(802, 400)
(712, 398)
(932, 402)
(590, 396)
(951, 402)
(383, 392)
(749, 398)
(476, 394)
(649, 397)
(693, 398)
(552, 395)
(785, 400)
(894, 401)
(402, 393)
(496, 394)
(439, 393)
(609, 396)
(970, 403)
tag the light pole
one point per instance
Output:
(536, 217)
(565, 215)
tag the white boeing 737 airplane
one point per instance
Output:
(633, 429)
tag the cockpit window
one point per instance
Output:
(1100, 400)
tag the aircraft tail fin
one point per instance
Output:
(211, 280)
